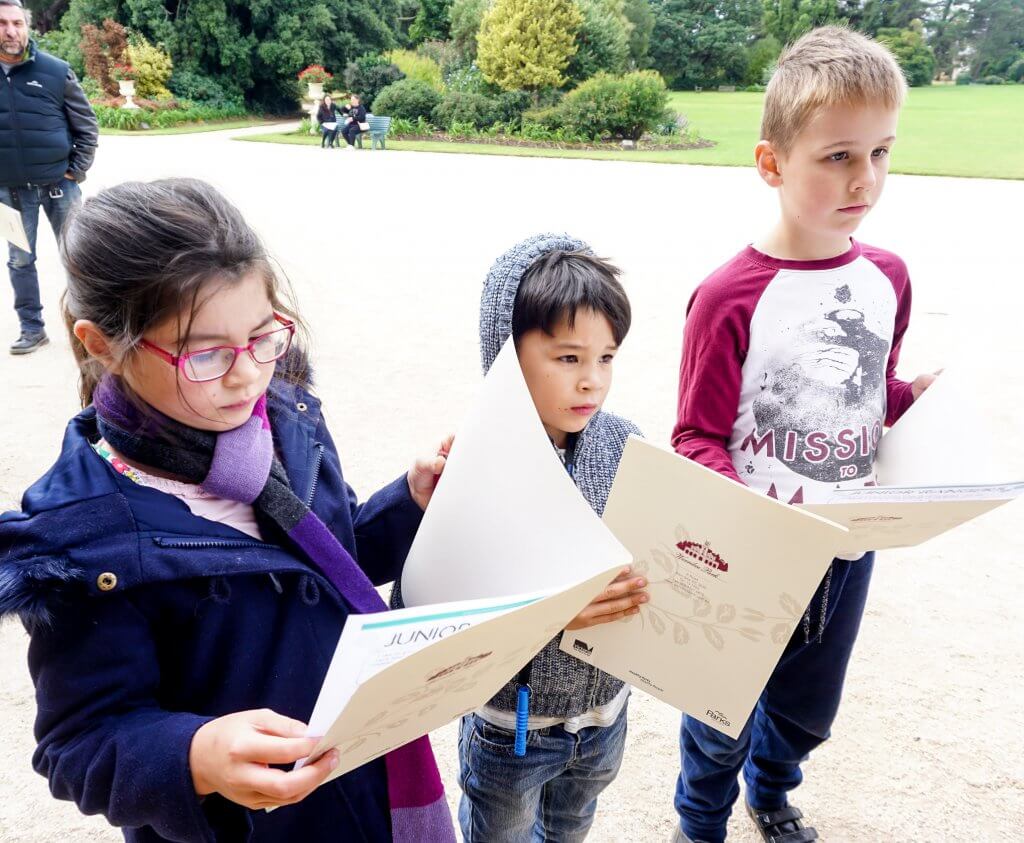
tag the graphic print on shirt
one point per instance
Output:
(814, 381)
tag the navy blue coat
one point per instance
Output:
(47, 126)
(203, 621)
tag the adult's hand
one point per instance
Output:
(232, 756)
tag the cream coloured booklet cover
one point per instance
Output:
(398, 675)
(505, 521)
(730, 573)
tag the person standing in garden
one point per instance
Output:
(48, 137)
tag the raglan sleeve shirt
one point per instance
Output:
(899, 393)
(715, 341)
(716, 344)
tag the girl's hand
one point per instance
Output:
(230, 756)
(922, 382)
(425, 473)
(621, 599)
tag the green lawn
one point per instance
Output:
(944, 130)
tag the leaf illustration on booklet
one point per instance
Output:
(790, 605)
(663, 561)
(723, 601)
(714, 637)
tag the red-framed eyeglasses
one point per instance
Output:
(208, 364)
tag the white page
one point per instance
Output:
(506, 517)
(943, 439)
(11, 227)
(730, 573)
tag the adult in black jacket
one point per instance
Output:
(357, 114)
(48, 136)
(327, 117)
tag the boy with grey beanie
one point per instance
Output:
(567, 314)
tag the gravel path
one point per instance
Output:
(928, 744)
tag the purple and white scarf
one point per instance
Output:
(240, 465)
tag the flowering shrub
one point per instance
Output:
(123, 73)
(315, 73)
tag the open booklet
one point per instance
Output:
(931, 476)
(730, 573)
(509, 537)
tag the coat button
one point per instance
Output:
(301, 407)
(106, 581)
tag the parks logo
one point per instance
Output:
(581, 648)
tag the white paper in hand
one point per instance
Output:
(11, 228)
(505, 518)
(943, 439)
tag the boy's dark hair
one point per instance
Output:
(559, 284)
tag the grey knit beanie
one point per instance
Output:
(502, 284)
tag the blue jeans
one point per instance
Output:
(793, 716)
(22, 264)
(548, 795)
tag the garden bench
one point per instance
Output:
(378, 131)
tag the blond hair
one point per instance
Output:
(828, 66)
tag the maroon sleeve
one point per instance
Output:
(899, 394)
(715, 342)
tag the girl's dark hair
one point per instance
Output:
(559, 284)
(140, 253)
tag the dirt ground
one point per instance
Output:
(387, 252)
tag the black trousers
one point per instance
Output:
(350, 132)
(329, 137)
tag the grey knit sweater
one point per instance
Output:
(562, 686)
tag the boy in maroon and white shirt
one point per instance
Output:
(788, 375)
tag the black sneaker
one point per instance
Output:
(27, 343)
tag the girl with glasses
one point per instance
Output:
(185, 568)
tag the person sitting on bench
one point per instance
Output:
(356, 123)
(327, 117)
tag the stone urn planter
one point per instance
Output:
(315, 90)
(126, 87)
